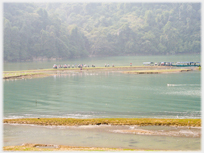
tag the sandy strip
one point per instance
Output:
(50, 147)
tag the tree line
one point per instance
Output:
(71, 30)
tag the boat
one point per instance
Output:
(165, 63)
(187, 64)
(148, 63)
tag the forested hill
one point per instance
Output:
(71, 30)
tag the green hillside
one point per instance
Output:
(71, 30)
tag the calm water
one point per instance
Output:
(105, 94)
(102, 94)
(96, 136)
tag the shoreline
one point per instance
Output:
(106, 121)
(51, 147)
(157, 71)
(124, 69)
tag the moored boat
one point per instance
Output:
(148, 63)
(186, 64)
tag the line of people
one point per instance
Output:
(71, 66)
(55, 66)
(107, 65)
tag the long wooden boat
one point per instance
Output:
(187, 64)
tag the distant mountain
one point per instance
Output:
(71, 30)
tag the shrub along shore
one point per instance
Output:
(157, 71)
(45, 147)
(106, 121)
(126, 69)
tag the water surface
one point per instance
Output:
(107, 94)
(97, 136)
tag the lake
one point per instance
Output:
(107, 94)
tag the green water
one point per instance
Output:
(109, 94)
(105, 94)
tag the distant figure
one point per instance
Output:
(72, 66)
(65, 66)
(108, 65)
(113, 65)
(55, 66)
(105, 65)
(130, 64)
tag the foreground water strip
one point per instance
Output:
(106, 121)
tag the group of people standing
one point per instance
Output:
(108, 65)
(76, 66)
(79, 66)
(71, 66)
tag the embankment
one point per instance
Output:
(125, 69)
(107, 121)
(157, 71)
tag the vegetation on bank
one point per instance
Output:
(42, 147)
(107, 121)
(48, 72)
(34, 31)
(23, 75)
(157, 71)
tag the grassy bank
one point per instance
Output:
(107, 121)
(47, 72)
(42, 147)
(157, 71)
(23, 75)
(126, 69)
